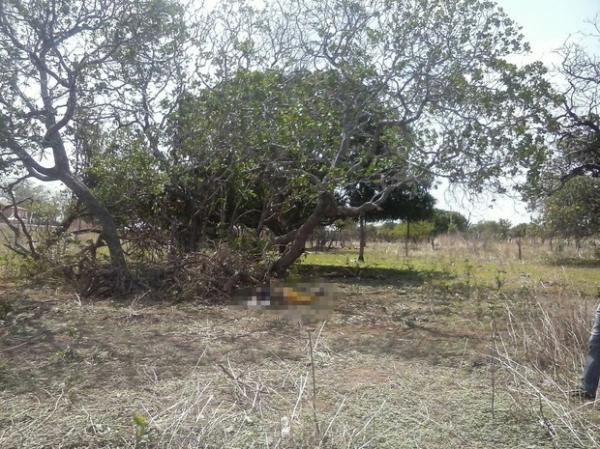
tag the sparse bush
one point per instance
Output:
(13, 265)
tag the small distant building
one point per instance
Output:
(8, 210)
(84, 224)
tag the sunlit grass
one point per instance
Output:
(489, 269)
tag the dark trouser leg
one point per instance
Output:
(591, 372)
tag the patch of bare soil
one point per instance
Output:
(394, 367)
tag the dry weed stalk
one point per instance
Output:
(542, 353)
(494, 355)
(314, 385)
(550, 337)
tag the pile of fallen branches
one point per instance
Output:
(213, 274)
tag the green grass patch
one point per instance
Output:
(459, 268)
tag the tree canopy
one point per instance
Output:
(403, 203)
(574, 210)
(568, 204)
(70, 62)
(445, 221)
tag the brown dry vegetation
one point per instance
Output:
(408, 358)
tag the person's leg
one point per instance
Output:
(591, 372)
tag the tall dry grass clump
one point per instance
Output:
(550, 337)
(542, 353)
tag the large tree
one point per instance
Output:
(66, 63)
(452, 105)
(562, 179)
(574, 149)
(578, 142)
(403, 203)
(323, 95)
(249, 150)
(574, 210)
(292, 105)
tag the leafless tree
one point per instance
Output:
(578, 145)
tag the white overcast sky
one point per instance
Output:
(546, 24)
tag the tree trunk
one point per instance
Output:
(331, 241)
(109, 228)
(407, 237)
(325, 206)
(363, 239)
(519, 244)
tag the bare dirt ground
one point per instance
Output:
(400, 362)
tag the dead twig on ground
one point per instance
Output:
(314, 385)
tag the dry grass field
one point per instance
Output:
(459, 347)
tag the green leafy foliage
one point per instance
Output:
(490, 229)
(264, 120)
(127, 180)
(445, 221)
(403, 203)
(256, 149)
(574, 210)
